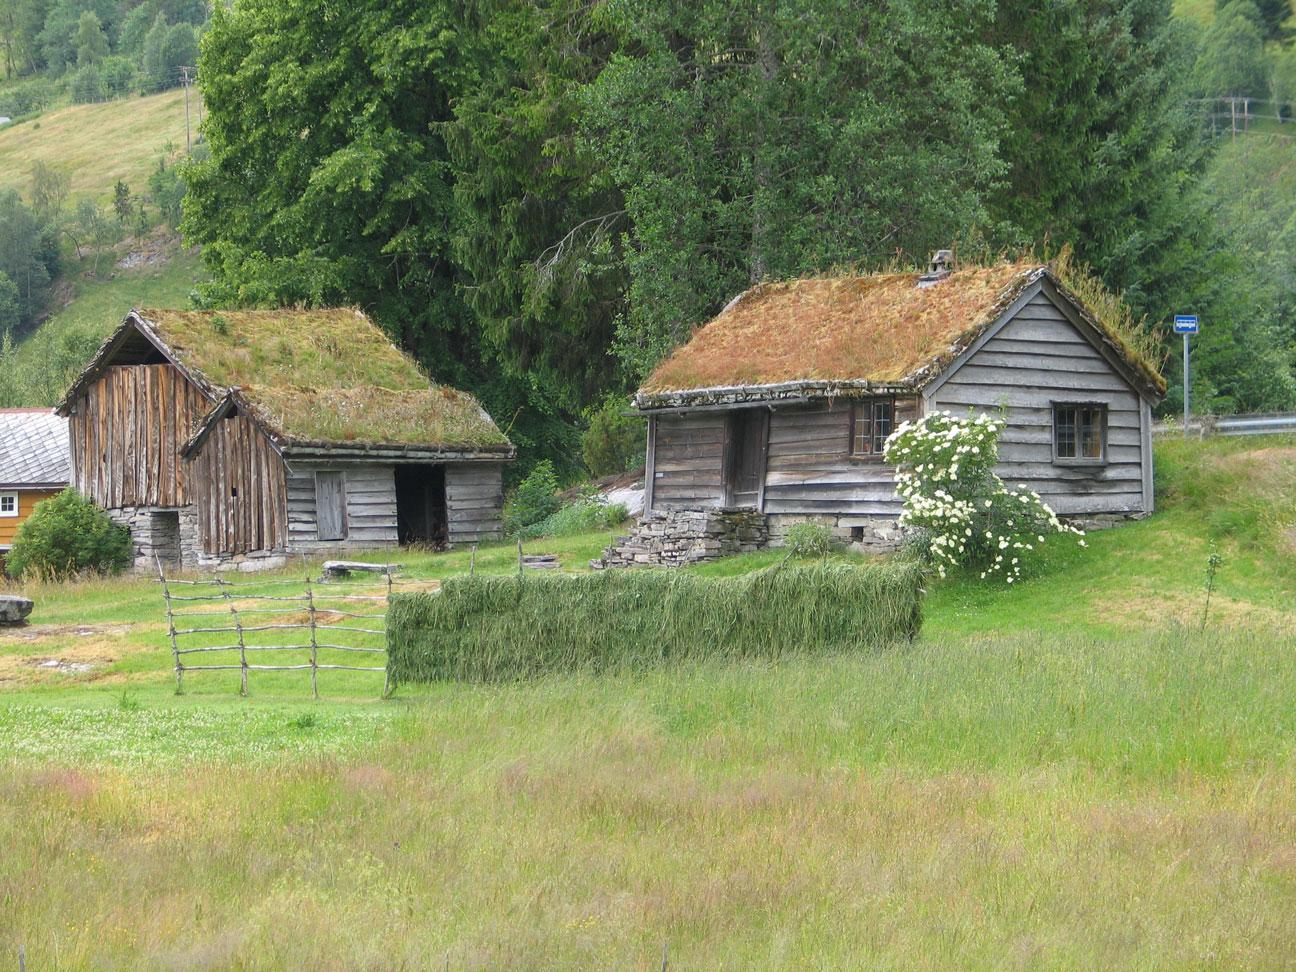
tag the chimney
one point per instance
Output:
(942, 262)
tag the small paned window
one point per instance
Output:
(871, 422)
(1080, 432)
(8, 504)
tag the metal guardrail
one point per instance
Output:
(1267, 424)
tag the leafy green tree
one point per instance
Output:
(59, 35)
(10, 305)
(28, 253)
(91, 44)
(776, 139)
(614, 441)
(1276, 18)
(1232, 60)
(88, 86)
(155, 74)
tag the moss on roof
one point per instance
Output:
(882, 328)
(323, 376)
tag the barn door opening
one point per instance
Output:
(746, 439)
(421, 505)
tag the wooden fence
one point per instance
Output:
(218, 624)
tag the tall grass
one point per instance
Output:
(497, 628)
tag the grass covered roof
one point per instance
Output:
(322, 376)
(882, 329)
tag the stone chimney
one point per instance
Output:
(942, 263)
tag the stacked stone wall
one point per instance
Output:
(673, 538)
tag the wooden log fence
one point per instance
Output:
(330, 625)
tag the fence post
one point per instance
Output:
(472, 561)
(387, 661)
(519, 557)
(314, 644)
(171, 631)
(238, 626)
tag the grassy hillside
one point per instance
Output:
(96, 145)
(44, 364)
(1075, 773)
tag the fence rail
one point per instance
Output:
(1207, 425)
(326, 625)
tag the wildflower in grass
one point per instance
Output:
(967, 515)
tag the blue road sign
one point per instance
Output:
(1185, 324)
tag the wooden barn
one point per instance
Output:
(223, 437)
(33, 465)
(781, 404)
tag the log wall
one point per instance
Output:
(126, 433)
(370, 490)
(238, 483)
(1036, 359)
(475, 501)
(688, 460)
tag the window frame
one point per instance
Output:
(17, 503)
(871, 402)
(1079, 460)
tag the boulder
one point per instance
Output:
(14, 609)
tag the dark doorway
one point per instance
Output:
(421, 505)
(745, 445)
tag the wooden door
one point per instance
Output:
(746, 442)
(330, 505)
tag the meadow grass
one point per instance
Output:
(1073, 773)
(99, 144)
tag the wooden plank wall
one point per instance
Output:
(27, 498)
(126, 433)
(688, 460)
(370, 506)
(810, 469)
(1036, 359)
(475, 501)
(238, 484)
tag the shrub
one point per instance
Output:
(26, 98)
(807, 540)
(945, 475)
(614, 441)
(580, 517)
(492, 628)
(535, 498)
(88, 85)
(68, 535)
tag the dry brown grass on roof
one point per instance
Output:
(879, 328)
(324, 376)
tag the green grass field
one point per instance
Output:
(1075, 773)
(45, 363)
(96, 145)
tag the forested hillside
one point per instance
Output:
(540, 199)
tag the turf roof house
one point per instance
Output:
(782, 403)
(242, 436)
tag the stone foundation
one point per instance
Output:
(170, 534)
(1099, 521)
(672, 538)
(874, 534)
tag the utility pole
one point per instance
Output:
(184, 73)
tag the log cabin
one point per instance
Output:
(240, 437)
(781, 405)
(33, 465)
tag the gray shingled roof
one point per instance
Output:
(33, 448)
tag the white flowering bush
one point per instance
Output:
(965, 514)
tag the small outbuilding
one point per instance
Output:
(224, 437)
(776, 411)
(33, 465)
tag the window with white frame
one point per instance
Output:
(8, 504)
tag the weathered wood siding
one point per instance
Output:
(688, 460)
(474, 501)
(1036, 359)
(810, 469)
(27, 498)
(126, 433)
(238, 483)
(370, 506)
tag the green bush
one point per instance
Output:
(26, 98)
(614, 441)
(494, 628)
(68, 535)
(580, 517)
(807, 540)
(535, 498)
(88, 85)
